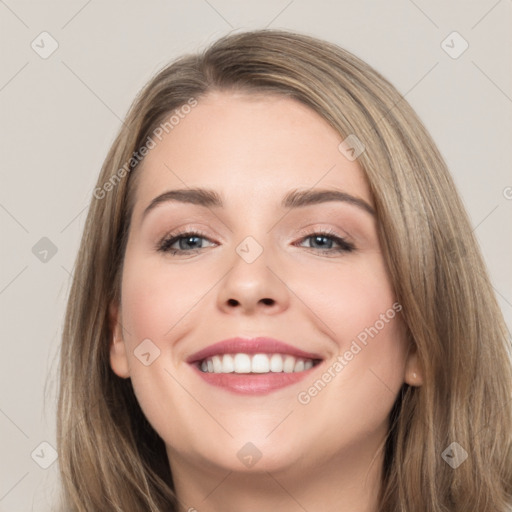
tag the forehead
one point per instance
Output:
(250, 147)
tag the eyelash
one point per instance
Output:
(165, 244)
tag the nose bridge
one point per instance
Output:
(252, 281)
(251, 230)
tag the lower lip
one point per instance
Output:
(253, 383)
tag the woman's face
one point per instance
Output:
(274, 260)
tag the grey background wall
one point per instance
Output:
(69, 71)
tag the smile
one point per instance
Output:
(253, 366)
(256, 363)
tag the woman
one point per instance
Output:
(278, 302)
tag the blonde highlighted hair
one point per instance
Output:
(112, 459)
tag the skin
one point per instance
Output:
(323, 455)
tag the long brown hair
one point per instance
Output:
(111, 458)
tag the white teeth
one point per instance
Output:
(260, 363)
(256, 363)
(276, 363)
(228, 365)
(217, 364)
(299, 366)
(242, 363)
(289, 364)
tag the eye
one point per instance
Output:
(187, 241)
(190, 241)
(324, 241)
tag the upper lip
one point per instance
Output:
(260, 345)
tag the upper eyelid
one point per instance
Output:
(304, 232)
(310, 228)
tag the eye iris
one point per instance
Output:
(187, 240)
(322, 237)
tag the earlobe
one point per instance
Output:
(118, 355)
(413, 374)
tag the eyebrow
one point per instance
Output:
(293, 199)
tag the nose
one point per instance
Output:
(252, 287)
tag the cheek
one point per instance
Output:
(357, 310)
(348, 298)
(354, 395)
(155, 298)
(153, 304)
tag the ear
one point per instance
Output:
(413, 374)
(118, 354)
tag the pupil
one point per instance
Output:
(317, 238)
(188, 240)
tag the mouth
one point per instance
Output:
(253, 366)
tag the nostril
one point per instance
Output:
(268, 301)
